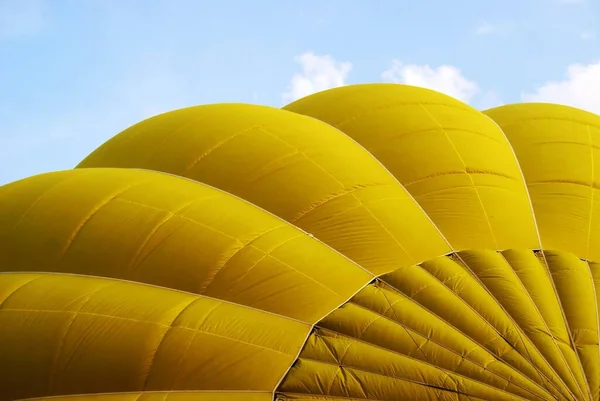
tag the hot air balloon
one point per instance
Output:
(369, 242)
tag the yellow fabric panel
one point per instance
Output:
(66, 334)
(498, 277)
(557, 147)
(164, 230)
(167, 396)
(595, 270)
(455, 161)
(434, 341)
(435, 322)
(291, 396)
(296, 167)
(575, 286)
(536, 279)
(447, 289)
(331, 364)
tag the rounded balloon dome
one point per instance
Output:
(369, 242)
(558, 151)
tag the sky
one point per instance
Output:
(74, 73)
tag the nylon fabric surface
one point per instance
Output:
(358, 370)
(469, 308)
(128, 224)
(370, 242)
(503, 343)
(455, 162)
(557, 148)
(570, 272)
(167, 396)
(391, 321)
(499, 278)
(65, 334)
(290, 396)
(415, 311)
(296, 167)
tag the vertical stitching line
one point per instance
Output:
(487, 219)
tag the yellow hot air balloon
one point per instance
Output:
(369, 242)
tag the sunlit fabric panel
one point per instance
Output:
(296, 167)
(164, 230)
(455, 161)
(557, 147)
(168, 396)
(66, 334)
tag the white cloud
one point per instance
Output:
(586, 35)
(445, 79)
(21, 17)
(319, 72)
(578, 89)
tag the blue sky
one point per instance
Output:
(73, 73)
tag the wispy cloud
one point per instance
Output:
(319, 72)
(445, 78)
(578, 89)
(586, 36)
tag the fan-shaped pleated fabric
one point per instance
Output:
(369, 242)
